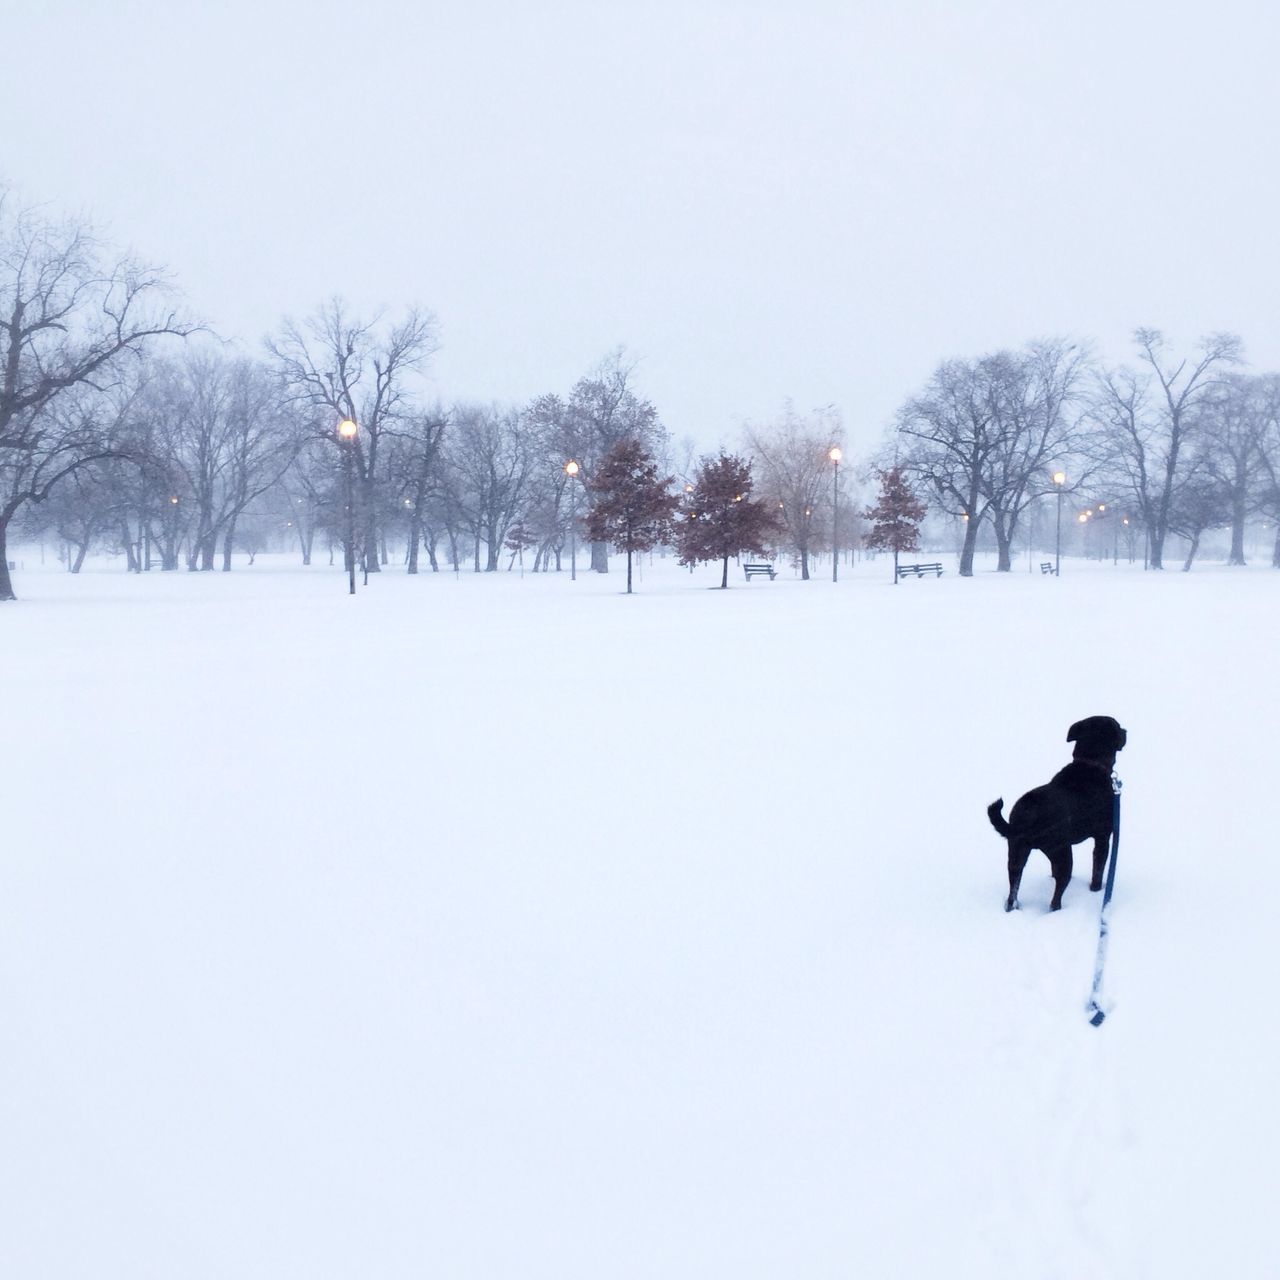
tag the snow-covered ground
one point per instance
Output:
(509, 927)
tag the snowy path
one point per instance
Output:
(491, 928)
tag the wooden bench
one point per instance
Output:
(752, 570)
(1046, 566)
(919, 570)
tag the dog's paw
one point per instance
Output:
(1011, 905)
(1094, 888)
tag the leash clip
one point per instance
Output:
(1116, 784)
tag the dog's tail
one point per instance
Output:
(997, 817)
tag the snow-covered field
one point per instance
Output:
(509, 927)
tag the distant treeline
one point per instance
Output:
(126, 427)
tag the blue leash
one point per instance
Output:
(1096, 1012)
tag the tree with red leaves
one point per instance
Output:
(895, 519)
(720, 518)
(633, 506)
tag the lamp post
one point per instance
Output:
(571, 469)
(1059, 479)
(347, 430)
(835, 455)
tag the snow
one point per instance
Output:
(506, 926)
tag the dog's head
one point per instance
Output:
(1097, 738)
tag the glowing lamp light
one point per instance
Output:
(688, 488)
(1124, 519)
(1102, 506)
(1083, 517)
(347, 429)
(1059, 477)
(836, 453)
(571, 468)
(173, 502)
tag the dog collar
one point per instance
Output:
(1096, 764)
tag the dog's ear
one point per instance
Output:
(1074, 732)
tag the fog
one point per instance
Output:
(760, 202)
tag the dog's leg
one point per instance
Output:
(1099, 860)
(1060, 860)
(1018, 855)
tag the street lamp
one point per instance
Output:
(347, 430)
(571, 469)
(1059, 479)
(835, 455)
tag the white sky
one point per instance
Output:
(760, 200)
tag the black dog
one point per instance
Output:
(1075, 806)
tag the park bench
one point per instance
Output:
(1046, 566)
(919, 570)
(751, 570)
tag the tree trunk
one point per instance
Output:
(415, 537)
(600, 557)
(1191, 552)
(1275, 552)
(6, 583)
(968, 547)
(1237, 532)
(431, 552)
(804, 564)
(1156, 554)
(82, 550)
(132, 562)
(370, 514)
(895, 566)
(628, 571)
(724, 577)
(228, 542)
(1004, 545)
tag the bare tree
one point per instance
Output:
(339, 367)
(794, 466)
(1270, 464)
(1239, 417)
(984, 435)
(492, 458)
(222, 426)
(950, 436)
(69, 316)
(1148, 417)
(1200, 503)
(414, 465)
(1036, 410)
